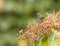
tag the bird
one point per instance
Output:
(39, 17)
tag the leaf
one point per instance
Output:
(52, 40)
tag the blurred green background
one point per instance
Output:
(14, 15)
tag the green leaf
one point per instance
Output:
(52, 40)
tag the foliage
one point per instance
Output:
(44, 27)
(15, 15)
